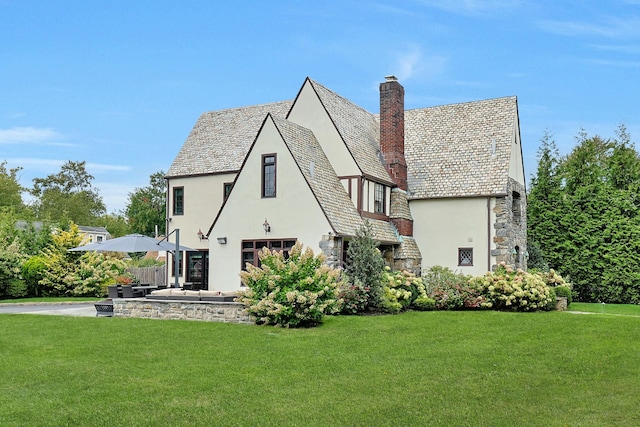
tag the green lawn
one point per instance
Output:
(418, 368)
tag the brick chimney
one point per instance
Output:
(392, 130)
(392, 147)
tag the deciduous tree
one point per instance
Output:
(68, 196)
(146, 207)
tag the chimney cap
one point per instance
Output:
(391, 78)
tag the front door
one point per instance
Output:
(198, 269)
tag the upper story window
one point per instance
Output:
(268, 175)
(178, 200)
(379, 199)
(227, 189)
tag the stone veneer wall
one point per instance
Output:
(331, 246)
(228, 312)
(509, 230)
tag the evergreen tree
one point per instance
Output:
(585, 215)
(365, 264)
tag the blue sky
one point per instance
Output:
(119, 84)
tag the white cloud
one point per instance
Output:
(412, 64)
(611, 27)
(18, 135)
(474, 7)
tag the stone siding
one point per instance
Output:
(511, 227)
(331, 246)
(228, 312)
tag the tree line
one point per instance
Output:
(70, 197)
(583, 216)
(35, 236)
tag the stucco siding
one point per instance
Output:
(293, 214)
(442, 226)
(309, 112)
(203, 197)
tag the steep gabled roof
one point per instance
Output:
(460, 150)
(320, 176)
(219, 141)
(359, 130)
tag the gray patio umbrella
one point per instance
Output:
(139, 243)
(131, 243)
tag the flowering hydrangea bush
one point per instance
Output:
(355, 298)
(400, 290)
(293, 292)
(451, 291)
(559, 285)
(508, 289)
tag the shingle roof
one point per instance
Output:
(219, 141)
(321, 177)
(460, 150)
(359, 129)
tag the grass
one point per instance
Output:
(417, 368)
(615, 309)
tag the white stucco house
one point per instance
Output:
(440, 185)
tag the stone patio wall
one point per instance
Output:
(207, 311)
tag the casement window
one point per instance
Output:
(465, 256)
(178, 200)
(268, 175)
(227, 190)
(379, 199)
(250, 249)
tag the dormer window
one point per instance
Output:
(379, 199)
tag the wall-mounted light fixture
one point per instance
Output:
(266, 226)
(201, 235)
(222, 240)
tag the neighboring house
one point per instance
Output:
(93, 234)
(439, 185)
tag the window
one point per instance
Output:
(227, 189)
(269, 175)
(516, 207)
(178, 200)
(465, 256)
(250, 249)
(379, 199)
(99, 238)
(173, 265)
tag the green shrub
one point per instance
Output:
(563, 291)
(424, 304)
(354, 298)
(292, 292)
(32, 273)
(401, 288)
(365, 264)
(508, 289)
(551, 305)
(451, 291)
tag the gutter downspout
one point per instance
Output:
(488, 233)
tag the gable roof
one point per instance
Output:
(359, 130)
(219, 141)
(460, 150)
(320, 176)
